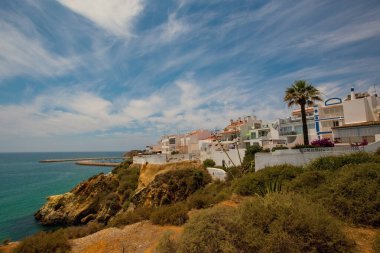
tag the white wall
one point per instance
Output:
(294, 157)
(219, 156)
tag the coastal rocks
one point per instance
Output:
(170, 187)
(94, 199)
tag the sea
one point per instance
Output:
(25, 183)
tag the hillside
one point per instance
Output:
(330, 205)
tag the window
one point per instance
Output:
(335, 123)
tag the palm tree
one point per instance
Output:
(302, 93)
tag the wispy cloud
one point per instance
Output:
(116, 16)
(21, 54)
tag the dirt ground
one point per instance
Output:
(139, 237)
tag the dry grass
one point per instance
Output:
(149, 171)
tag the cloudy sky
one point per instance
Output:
(116, 74)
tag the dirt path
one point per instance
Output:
(139, 237)
(363, 237)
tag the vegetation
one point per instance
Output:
(170, 215)
(274, 223)
(303, 94)
(45, 242)
(267, 180)
(213, 193)
(208, 163)
(130, 217)
(337, 162)
(81, 231)
(298, 146)
(376, 245)
(353, 194)
(279, 148)
(324, 142)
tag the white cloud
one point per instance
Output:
(173, 28)
(25, 55)
(115, 16)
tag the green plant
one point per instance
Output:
(130, 217)
(300, 146)
(336, 162)
(250, 154)
(274, 223)
(279, 148)
(173, 215)
(45, 242)
(213, 193)
(302, 93)
(376, 244)
(167, 244)
(269, 178)
(208, 163)
(81, 231)
(354, 194)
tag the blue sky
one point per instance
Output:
(116, 74)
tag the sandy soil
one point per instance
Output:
(139, 237)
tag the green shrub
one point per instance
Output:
(336, 162)
(250, 154)
(354, 194)
(376, 244)
(275, 223)
(130, 217)
(167, 244)
(263, 180)
(208, 163)
(45, 242)
(300, 146)
(172, 215)
(310, 180)
(213, 193)
(81, 231)
(279, 148)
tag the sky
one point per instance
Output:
(95, 75)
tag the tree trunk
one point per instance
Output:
(304, 125)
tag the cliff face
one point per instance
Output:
(94, 199)
(103, 196)
(171, 187)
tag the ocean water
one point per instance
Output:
(25, 183)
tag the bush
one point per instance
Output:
(172, 215)
(128, 181)
(81, 231)
(300, 146)
(250, 154)
(336, 162)
(130, 217)
(45, 242)
(279, 148)
(354, 194)
(376, 244)
(167, 244)
(264, 181)
(213, 193)
(208, 163)
(275, 223)
(324, 142)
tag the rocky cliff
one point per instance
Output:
(94, 199)
(101, 197)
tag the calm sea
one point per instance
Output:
(25, 183)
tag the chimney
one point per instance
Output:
(353, 97)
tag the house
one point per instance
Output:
(189, 143)
(169, 143)
(265, 135)
(361, 112)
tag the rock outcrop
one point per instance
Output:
(94, 199)
(171, 187)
